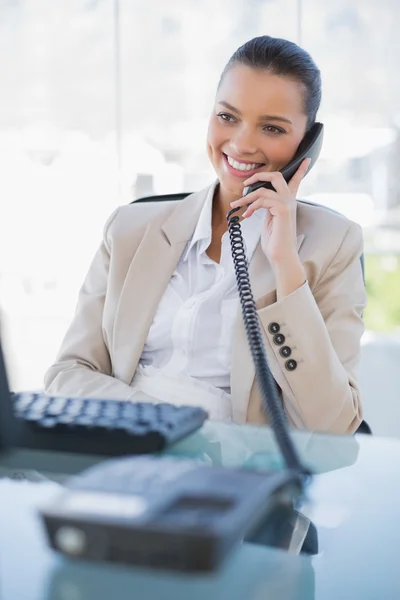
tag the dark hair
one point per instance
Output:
(285, 58)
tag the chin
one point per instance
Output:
(231, 185)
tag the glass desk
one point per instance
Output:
(354, 502)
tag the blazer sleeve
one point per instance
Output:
(323, 329)
(83, 364)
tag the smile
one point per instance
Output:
(242, 166)
(241, 169)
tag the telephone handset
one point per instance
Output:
(310, 147)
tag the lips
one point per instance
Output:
(240, 169)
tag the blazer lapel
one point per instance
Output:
(242, 373)
(150, 270)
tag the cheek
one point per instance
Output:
(209, 142)
(212, 144)
(282, 152)
(214, 135)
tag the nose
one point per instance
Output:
(243, 142)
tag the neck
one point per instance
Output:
(222, 205)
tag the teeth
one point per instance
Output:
(242, 166)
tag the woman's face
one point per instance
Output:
(257, 124)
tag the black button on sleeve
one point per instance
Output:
(291, 364)
(279, 339)
(285, 351)
(274, 328)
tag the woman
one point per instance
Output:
(158, 313)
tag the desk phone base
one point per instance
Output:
(167, 513)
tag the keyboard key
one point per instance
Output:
(105, 422)
(57, 406)
(75, 408)
(146, 413)
(66, 419)
(85, 421)
(33, 415)
(23, 402)
(111, 410)
(93, 409)
(129, 411)
(40, 404)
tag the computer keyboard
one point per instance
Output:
(120, 427)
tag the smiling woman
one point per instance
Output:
(158, 312)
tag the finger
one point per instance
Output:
(274, 177)
(252, 208)
(253, 196)
(295, 181)
(274, 205)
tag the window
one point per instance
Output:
(107, 100)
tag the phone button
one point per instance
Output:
(274, 328)
(279, 339)
(291, 364)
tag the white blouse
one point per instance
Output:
(191, 334)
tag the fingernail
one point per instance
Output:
(244, 215)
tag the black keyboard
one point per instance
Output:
(109, 427)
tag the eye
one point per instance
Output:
(273, 129)
(226, 117)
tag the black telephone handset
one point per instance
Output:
(310, 147)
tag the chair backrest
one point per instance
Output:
(163, 197)
(363, 427)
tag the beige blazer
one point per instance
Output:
(321, 321)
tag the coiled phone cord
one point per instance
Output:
(271, 401)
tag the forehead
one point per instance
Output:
(259, 92)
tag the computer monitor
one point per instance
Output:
(10, 429)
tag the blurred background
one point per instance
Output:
(104, 101)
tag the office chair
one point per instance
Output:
(363, 427)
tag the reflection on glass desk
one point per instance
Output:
(353, 501)
(215, 443)
(255, 448)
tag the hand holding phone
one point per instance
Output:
(264, 187)
(276, 192)
(310, 147)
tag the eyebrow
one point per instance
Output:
(262, 117)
